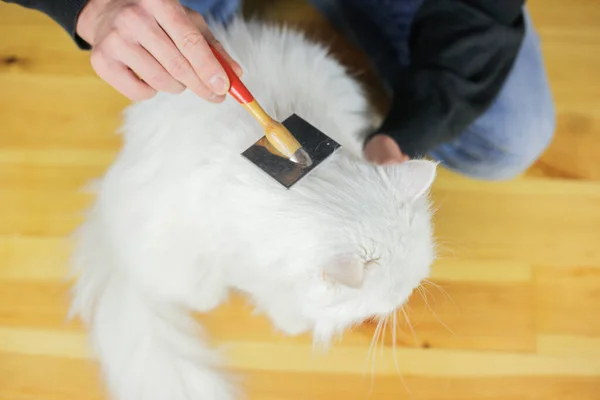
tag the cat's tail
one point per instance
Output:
(147, 349)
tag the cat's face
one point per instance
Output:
(377, 241)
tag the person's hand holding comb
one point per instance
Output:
(141, 47)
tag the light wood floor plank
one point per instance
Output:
(351, 360)
(569, 345)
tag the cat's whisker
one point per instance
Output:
(372, 344)
(394, 344)
(373, 350)
(424, 292)
(434, 313)
(420, 290)
(374, 338)
(385, 322)
(395, 355)
(451, 247)
(441, 289)
(445, 253)
(424, 297)
(369, 349)
(379, 334)
(402, 309)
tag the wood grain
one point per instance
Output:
(512, 310)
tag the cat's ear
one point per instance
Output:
(419, 177)
(348, 271)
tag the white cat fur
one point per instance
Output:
(181, 219)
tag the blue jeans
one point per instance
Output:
(220, 11)
(504, 141)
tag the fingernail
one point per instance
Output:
(218, 85)
(238, 70)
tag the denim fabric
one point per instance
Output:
(220, 11)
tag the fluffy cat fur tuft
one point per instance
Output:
(181, 218)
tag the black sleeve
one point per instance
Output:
(461, 53)
(63, 12)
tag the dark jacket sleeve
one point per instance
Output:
(461, 54)
(63, 12)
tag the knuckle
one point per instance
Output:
(111, 43)
(158, 81)
(128, 18)
(192, 39)
(177, 66)
(129, 13)
(98, 60)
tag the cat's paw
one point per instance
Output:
(207, 298)
(220, 389)
(189, 380)
(214, 389)
(289, 323)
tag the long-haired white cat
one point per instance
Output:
(181, 219)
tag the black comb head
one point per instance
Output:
(318, 145)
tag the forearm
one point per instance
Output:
(63, 12)
(461, 54)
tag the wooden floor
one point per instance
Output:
(516, 310)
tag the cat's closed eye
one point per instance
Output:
(371, 262)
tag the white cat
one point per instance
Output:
(181, 219)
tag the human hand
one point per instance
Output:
(141, 47)
(382, 149)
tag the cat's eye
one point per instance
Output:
(369, 263)
(369, 258)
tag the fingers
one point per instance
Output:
(121, 78)
(383, 150)
(150, 70)
(145, 46)
(193, 46)
(160, 46)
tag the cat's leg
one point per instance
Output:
(267, 298)
(176, 274)
(168, 255)
(209, 292)
(146, 340)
